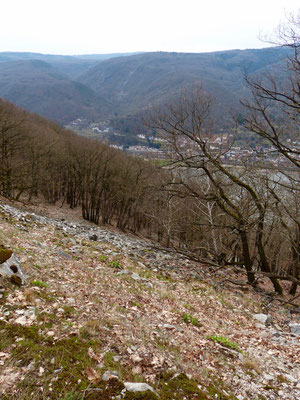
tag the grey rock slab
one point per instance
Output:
(268, 377)
(291, 378)
(64, 254)
(295, 329)
(12, 268)
(108, 375)
(137, 387)
(263, 318)
(136, 277)
(169, 326)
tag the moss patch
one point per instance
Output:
(225, 342)
(5, 254)
(189, 319)
(39, 284)
(57, 367)
(180, 387)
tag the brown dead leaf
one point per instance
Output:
(92, 375)
(94, 356)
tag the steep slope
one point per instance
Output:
(38, 87)
(101, 308)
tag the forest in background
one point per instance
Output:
(120, 89)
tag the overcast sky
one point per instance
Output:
(110, 26)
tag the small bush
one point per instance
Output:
(39, 284)
(189, 319)
(115, 264)
(225, 342)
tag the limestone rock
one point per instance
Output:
(108, 375)
(64, 254)
(263, 318)
(295, 329)
(10, 267)
(136, 277)
(137, 387)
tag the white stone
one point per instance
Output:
(21, 320)
(169, 326)
(263, 318)
(12, 267)
(136, 358)
(295, 329)
(108, 375)
(291, 378)
(268, 377)
(136, 277)
(137, 387)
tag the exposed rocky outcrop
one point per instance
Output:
(10, 267)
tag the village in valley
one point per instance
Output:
(235, 148)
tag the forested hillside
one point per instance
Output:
(123, 88)
(37, 86)
(132, 83)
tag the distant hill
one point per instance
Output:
(134, 83)
(72, 66)
(123, 86)
(38, 87)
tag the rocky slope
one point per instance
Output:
(105, 315)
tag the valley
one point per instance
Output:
(123, 90)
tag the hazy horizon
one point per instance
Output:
(132, 52)
(96, 27)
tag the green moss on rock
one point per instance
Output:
(5, 254)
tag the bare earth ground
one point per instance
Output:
(120, 306)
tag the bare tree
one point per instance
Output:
(274, 111)
(187, 127)
(273, 114)
(12, 143)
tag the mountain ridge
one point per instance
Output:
(127, 85)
